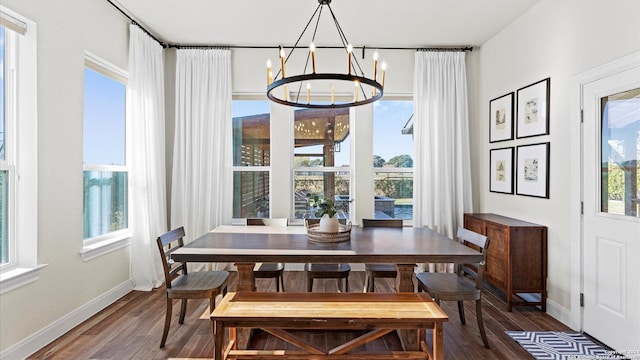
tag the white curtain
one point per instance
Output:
(442, 185)
(147, 176)
(201, 191)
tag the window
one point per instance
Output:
(18, 195)
(251, 158)
(620, 177)
(105, 188)
(321, 158)
(393, 159)
(6, 211)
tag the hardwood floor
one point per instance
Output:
(131, 328)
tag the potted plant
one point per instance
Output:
(326, 210)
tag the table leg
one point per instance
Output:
(404, 283)
(404, 279)
(246, 282)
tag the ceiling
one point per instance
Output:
(372, 23)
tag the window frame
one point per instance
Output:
(8, 163)
(113, 240)
(22, 154)
(253, 168)
(405, 222)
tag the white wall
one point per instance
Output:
(67, 286)
(557, 39)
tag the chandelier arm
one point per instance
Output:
(345, 42)
(341, 34)
(304, 71)
(303, 31)
(313, 38)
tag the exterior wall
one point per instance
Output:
(67, 286)
(557, 39)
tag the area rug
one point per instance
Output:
(560, 345)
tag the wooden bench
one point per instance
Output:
(276, 313)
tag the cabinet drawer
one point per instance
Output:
(474, 224)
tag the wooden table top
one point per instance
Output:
(290, 244)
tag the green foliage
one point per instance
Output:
(394, 188)
(326, 206)
(403, 161)
(378, 161)
(305, 161)
(615, 185)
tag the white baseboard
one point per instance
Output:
(560, 313)
(41, 338)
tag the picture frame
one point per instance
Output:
(532, 170)
(501, 118)
(533, 109)
(501, 170)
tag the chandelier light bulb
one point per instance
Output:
(349, 51)
(282, 61)
(312, 48)
(383, 66)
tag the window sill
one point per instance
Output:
(18, 277)
(98, 249)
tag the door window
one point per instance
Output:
(620, 175)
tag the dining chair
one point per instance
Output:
(270, 270)
(185, 285)
(458, 287)
(380, 271)
(326, 271)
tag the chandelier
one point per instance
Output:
(330, 90)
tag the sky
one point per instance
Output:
(104, 125)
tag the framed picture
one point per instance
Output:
(501, 118)
(533, 109)
(501, 170)
(532, 170)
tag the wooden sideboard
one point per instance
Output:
(516, 257)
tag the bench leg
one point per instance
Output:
(438, 341)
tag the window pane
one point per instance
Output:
(105, 205)
(321, 137)
(620, 153)
(2, 94)
(104, 119)
(4, 230)
(250, 194)
(251, 133)
(393, 148)
(324, 184)
(393, 195)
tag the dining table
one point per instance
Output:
(245, 246)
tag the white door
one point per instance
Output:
(611, 221)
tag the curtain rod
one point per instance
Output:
(134, 22)
(187, 46)
(444, 48)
